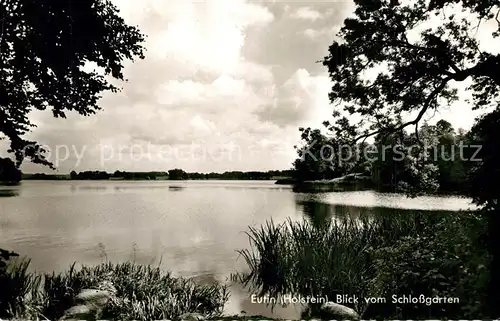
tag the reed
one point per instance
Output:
(341, 256)
(143, 292)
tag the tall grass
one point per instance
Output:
(340, 257)
(142, 293)
(18, 288)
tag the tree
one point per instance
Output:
(411, 71)
(314, 156)
(401, 167)
(177, 174)
(8, 171)
(322, 157)
(44, 47)
(450, 163)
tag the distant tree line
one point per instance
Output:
(43, 176)
(173, 174)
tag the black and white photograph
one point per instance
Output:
(249, 160)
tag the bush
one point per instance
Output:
(447, 260)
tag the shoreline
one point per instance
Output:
(341, 184)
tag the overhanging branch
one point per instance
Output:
(432, 96)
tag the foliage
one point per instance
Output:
(372, 257)
(44, 47)
(486, 174)
(90, 175)
(137, 175)
(177, 174)
(143, 293)
(323, 157)
(8, 171)
(411, 75)
(446, 261)
(435, 161)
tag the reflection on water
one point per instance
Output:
(194, 232)
(320, 213)
(8, 192)
(328, 188)
(317, 213)
(371, 199)
(93, 188)
(139, 187)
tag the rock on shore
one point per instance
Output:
(90, 303)
(337, 311)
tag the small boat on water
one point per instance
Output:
(175, 187)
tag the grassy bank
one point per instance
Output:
(142, 292)
(381, 256)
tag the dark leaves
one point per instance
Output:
(44, 47)
(379, 74)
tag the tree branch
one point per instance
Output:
(435, 52)
(433, 95)
(417, 135)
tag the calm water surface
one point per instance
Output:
(192, 228)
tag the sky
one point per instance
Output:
(225, 86)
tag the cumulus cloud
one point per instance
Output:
(301, 99)
(318, 34)
(306, 13)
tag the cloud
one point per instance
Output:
(300, 100)
(221, 77)
(318, 34)
(283, 43)
(176, 92)
(209, 35)
(306, 13)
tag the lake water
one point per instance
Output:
(194, 228)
